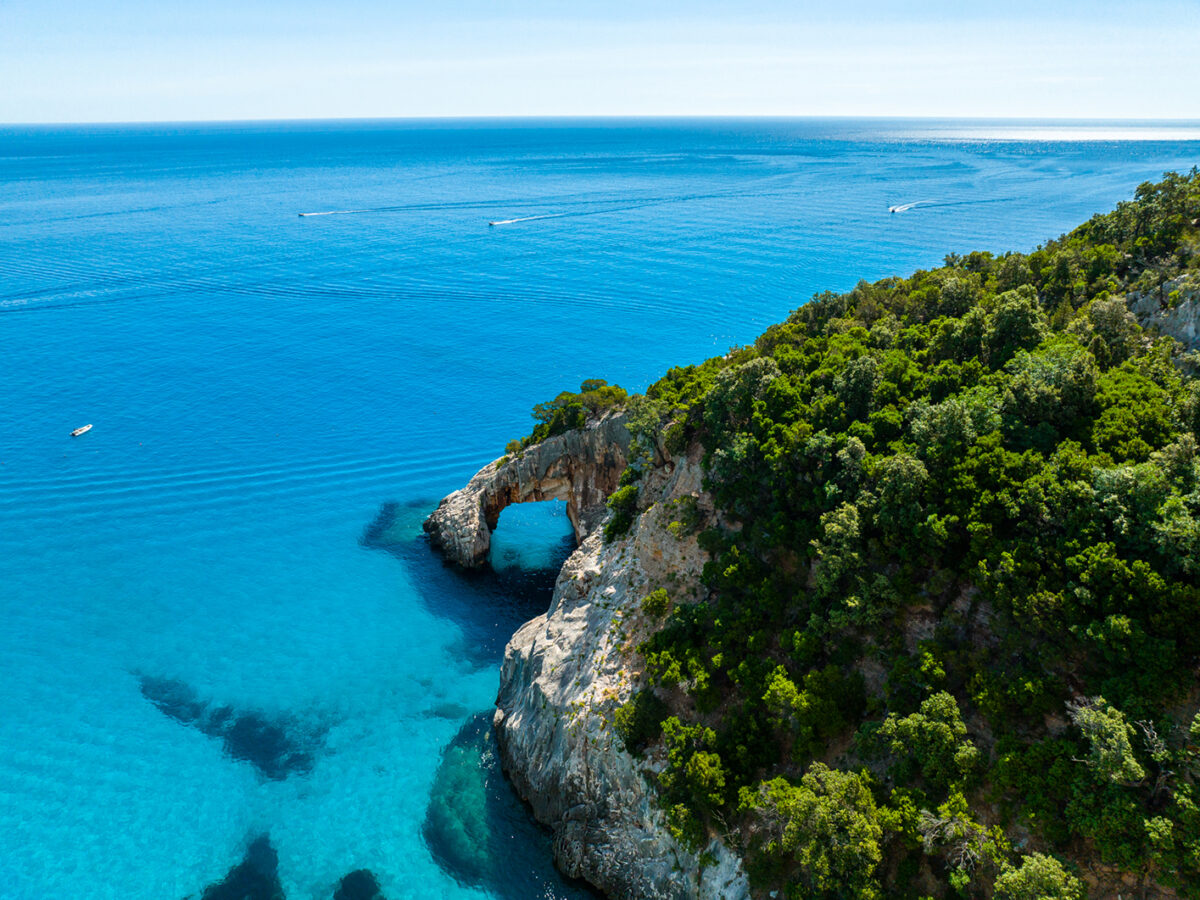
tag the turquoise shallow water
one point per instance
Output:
(278, 400)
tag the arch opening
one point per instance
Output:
(532, 536)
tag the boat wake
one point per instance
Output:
(462, 205)
(617, 206)
(599, 207)
(905, 207)
(339, 212)
(530, 218)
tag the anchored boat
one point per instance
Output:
(78, 431)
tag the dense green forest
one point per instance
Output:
(952, 629)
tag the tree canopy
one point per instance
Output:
(954, 581)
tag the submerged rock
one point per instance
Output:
(360, 884)
(255, 878)
(454, 711)
(477, 829)
(276, 747)
(456, 821)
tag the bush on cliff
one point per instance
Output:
(1038, 878)
(639, 721)
(623, 503)
(825, 832)
(570, 410)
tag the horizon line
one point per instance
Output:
(613, 117)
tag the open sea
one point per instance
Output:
(225, 648)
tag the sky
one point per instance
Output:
(166, 60)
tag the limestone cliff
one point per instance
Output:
(1174, 310)
(567, 671)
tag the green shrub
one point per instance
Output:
(1110, 740)
(689, 517)
(1038, 878)
(570, 410)
(638, 722)
(824, 832)
(656, 603)
(931, 743)
(623, 504)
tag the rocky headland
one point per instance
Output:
(943, 645)
(566, 672)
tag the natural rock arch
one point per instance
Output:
(581, 467)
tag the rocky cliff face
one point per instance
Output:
(1175, 310)
(566, 672)
(581, 467)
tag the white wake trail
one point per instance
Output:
(528, 219)
(338, 212)
(905, 207)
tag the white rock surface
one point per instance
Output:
(564, 675)
(1181, 321)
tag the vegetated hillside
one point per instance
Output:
(952, 636)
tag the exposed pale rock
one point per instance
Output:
(1181, 320)
(581, 467)
(566, 672)
(564, 675)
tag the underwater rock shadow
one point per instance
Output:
(481, 833)
(255, 878)
(488, 604)
(361, 884)
(276, 747)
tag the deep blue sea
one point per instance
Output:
(218, 619)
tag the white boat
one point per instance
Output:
(78, 431)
